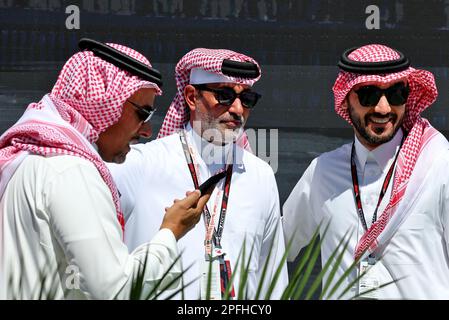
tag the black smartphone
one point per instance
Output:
(212, 181)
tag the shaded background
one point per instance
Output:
(298, 44)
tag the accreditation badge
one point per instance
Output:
(369, 281)
(211, 286)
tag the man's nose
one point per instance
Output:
(236, 107)
(383, 107)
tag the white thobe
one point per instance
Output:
(58, 222)
(156, 173)
(417, 252)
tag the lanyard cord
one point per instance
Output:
(224, 204)
(356, 188)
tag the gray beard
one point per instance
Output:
(208, 126)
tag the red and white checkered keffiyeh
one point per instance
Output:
(423, 93)
(209, 60)
(87, 98)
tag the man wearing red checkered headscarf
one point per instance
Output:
(60, 217)
(202, 66)
(197, 141)
(388, 188)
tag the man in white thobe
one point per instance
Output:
(197, 140)
(61, 226)
(389, 188)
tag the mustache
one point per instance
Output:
(391, 116)
(233, 117)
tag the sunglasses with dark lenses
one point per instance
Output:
(226, 96)
(396, 95)
(143, 112)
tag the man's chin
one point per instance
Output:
(376, 138)
(119, 158)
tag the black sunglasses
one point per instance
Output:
(226, 96)
(396, 95)
(143, 112)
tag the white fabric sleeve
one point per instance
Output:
(273, 240)
(127, 177)
(298, 218)
(84, 222)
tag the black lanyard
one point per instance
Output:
(356, 188)
(227, 187)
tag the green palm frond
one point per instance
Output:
(302, 285)
(138, 289)
(330, 268)
(244, 271)
(297, 282)
(338, 253)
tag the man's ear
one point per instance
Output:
(189, 96)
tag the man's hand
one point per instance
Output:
(184, 214)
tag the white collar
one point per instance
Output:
(381, 154)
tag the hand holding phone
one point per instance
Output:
(184, 214)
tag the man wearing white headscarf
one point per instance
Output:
(202, 135)
(61, 225)
(388, 189)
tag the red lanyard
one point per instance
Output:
(356, 188)
(224, 203)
